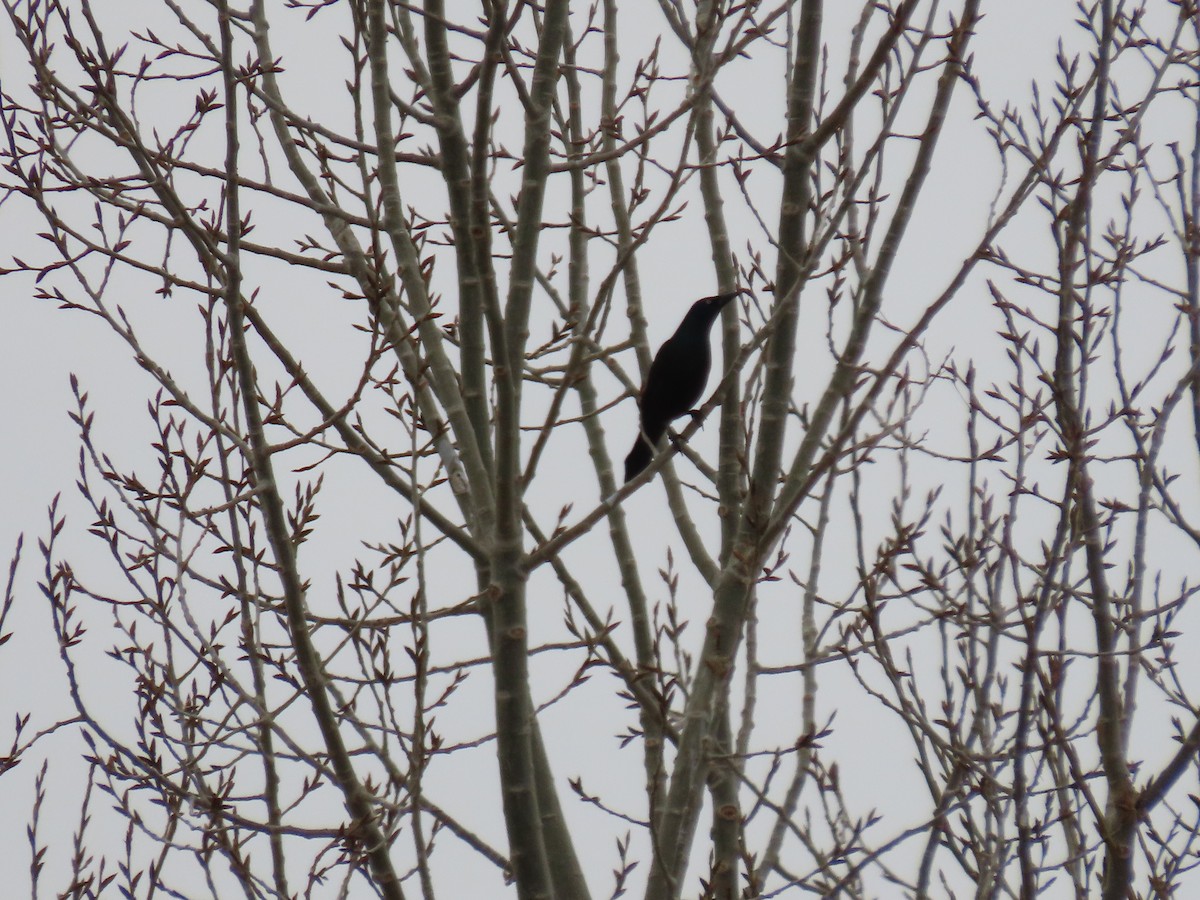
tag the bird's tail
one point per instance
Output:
(639, 457)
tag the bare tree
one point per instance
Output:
(908, 626)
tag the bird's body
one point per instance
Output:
(676, 379)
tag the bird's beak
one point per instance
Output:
(723, 299)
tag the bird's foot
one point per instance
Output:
(673, 435)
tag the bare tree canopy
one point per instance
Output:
(347, 598)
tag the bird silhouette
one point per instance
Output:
(676, 379)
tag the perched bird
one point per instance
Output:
(676, 379)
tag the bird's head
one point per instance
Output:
(707, 309)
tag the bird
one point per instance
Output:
(676, 379)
